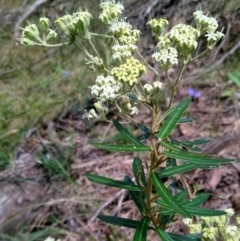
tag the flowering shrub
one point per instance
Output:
(119, 85)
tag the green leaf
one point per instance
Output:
(196, 142)
(126, 134)
(137, 197)
(195, 211)
(170, 146)
(172, 119)
(141, 231)
(197, 200)
(111, 182)
(163, 235)
(179, 169)
(120, 147)
(167, 197)
(198, 158)
(186, 120)
(178, 237)
(204, 211)
(181, 196)
(137, 168)
(171, 162)
(123, 222)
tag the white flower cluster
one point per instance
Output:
(184, 37)
(166, 57)
(155, 87)
(204, 22)
(216, 227)
(207, 24)
(106, 88)
(111, 11)
(75, 24)
(121, 52)
(129, 72)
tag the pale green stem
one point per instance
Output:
(149, 66)
(173, 86)
(93, 47)
(198, 56)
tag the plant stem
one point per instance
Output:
(149, 66)
(173, 86)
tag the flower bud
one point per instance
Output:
(51, 35)
(158, 25)
(27, 42)
(31, 32)
(44, 24)
(157, 86)
(148, 89)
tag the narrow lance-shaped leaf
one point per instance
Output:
(126, 134)
(111, 182)
(137, 197)
(118, 221)
(137, 168)
(204, 212)
(120, 147)
(163, 235)
(172, 119)
(197, 200)
(186, 120)
(191, 237)
(141, 231)
(167, 197)
(198, 158)
(179, 169)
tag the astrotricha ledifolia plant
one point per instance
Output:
(118, 87)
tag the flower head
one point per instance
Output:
(158, 25)
(75, 24)
(129, 72)
(166, 57)
(110, 11)
(184, 38)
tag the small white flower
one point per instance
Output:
(134, 110)
(230, 212)
(89, 115)
(157, 85)
(187, 221)
(231, 230)
(148, 89)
